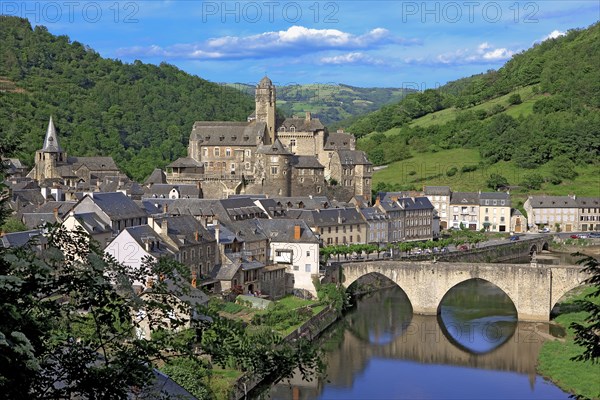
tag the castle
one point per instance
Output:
(293, 157)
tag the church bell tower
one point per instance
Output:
(265, 106)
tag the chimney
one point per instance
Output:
(377, 201)
(149, 281)
(164, 226)
(197, 236)
(147, 245)
(217, 230)
(166, 209)
(297, 232)
(55, 211)
(194, 280)
(308, 117)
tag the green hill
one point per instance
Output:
(539, 115)
(138, 113)
(329, 102)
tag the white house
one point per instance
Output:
(293, 243)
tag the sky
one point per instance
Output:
(409, 44)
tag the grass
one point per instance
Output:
(425, 169)
(222, 380)
(554, 360)
(449, 114)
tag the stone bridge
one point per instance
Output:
(533, 288)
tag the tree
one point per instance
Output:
(588, 336)
(533, 181)
(514, 99)
(496, 181)
(66, 326)
(13, 225)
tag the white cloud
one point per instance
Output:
(484, 53)
(351, 58)
(295, 41)
(554, 34)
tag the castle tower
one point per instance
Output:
(276, 162)
(49, 157)
(265, 105)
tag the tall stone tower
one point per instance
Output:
(49, 157)
(265, 106)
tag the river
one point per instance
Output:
(473, 349)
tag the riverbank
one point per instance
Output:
(554, 360)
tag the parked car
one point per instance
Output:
(513, 238)
(386, 255)
(574, 236)
(595, 235)
(583, 236)
(546, 230)
(463, 247)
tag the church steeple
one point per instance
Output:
(51, 144)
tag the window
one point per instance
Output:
(274, 171)
(217, 152)
(205, 151)
(248, 153)
(307, 268)
(308, 253)
(292, 142)
(274, 159)
(228, 152)
(296, 268)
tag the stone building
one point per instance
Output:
(563, 213)
(53, 164)
(293, 157)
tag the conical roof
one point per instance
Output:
(265, 82)
(51, 144)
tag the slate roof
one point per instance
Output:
(553, 202)
(437, 190)
(163, 190)
(497, 196)
(328, 217)
(353, 157)
(182, 229)
(185, 162)
(306, 162)
(415, 203)
(93, 163)
(302, 124)
(117, 205)
(157, 176)
(464, 198)
(228, 133)
(273, 149)
(142, 233)
(373, 214)
(92, 223)
(310, 203)
(51, 144)
(20, 239)
(265, 82)
(338, 141)
(587, 202)
(34, 220)
(282, 230)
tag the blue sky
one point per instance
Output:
(412, 44)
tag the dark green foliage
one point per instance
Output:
(13, 225)
(515, 99)
(497, 181)
(468, 168)
(191, 375)
(139, 114)
(588, 336)
(452, 171)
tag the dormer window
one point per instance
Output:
(292, 128)
(221, 138)
(234, 138)
(282, 129)
(246, 138)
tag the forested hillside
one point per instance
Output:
(138, 113)
(542, 106)
(330, 103)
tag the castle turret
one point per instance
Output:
(265, 106)
(277, 163)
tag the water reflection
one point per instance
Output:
(477, 316)
(380, 350)
(380, 317)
